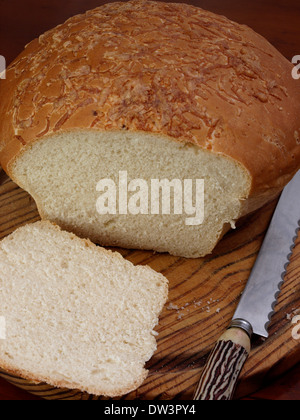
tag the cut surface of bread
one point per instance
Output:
(62, 173)
(162, 91)
(76, 315)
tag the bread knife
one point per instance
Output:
(257, 304)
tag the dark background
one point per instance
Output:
(277, 20)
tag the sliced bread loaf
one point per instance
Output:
(162, 91)
(76, 315)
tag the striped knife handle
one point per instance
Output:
(223, 367)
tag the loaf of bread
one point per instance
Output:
(154, 91)
(76, 315)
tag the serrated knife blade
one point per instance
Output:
(226, 360)
(263, 287)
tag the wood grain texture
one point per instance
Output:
(284, 388)
(203, 292)
(203, 296)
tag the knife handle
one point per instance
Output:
(223, 367)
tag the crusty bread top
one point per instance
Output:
(172, 69)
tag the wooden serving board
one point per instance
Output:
(203, 296)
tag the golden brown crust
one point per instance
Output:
(172, 69)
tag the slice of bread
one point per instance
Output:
(76, 315)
